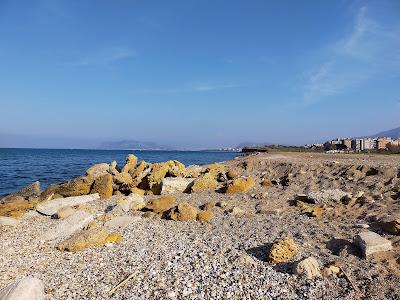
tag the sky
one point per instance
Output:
(196, 73)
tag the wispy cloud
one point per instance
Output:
(365, 52)
(105, 57)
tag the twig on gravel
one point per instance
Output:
(121, 284)
(348, 279)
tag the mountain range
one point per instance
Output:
(393, 133)
(133, 145)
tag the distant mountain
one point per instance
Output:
(393, 133)
(252, 144)
(133, 145)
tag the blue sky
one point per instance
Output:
(197, 73)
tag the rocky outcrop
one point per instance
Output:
(240, 185)
(184, 212)
(391, 225)
(130, 164)
(103, 185)
(171, 185)
(16, 206)
(31, 190)
(370, 242)
(204, 182)
(76, 187)
(28, 288)
(68, 226)
(282, 250)
(51, 207)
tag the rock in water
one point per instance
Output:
(51, 207)
(172, 185)
(7, 221)
(282, 250)
(29, 288)
(68, 226)
(308, 267)
(240, 185)
(370, 242)
(98, 170)
(103, 185)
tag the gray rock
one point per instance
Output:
(326, 196)
(172, 185)
(370, 242)
(29, 288)
(7, 221)
(31, 190)
(68, 226)
(51, 207)
(98, 170)
(119, 222)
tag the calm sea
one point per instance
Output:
(20, 167)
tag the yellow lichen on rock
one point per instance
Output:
(282, 250)
(205, 182)
(267, 183)
(93, 237)
(137, 191)
(103, 185)
(16, 206)
(240, 185)
(130, 164)
(205, 216)
(214, 169)
(76, 187)
(162, 204)
(184, 212)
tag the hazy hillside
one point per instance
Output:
(393, 133)
(133, 145)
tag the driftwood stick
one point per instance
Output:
(121, 284)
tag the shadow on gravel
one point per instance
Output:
(341, 247)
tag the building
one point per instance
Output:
(347, 143)
(370, 144)
(382, 143)
(357, 144)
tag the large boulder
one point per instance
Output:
(51, 207)
(98, 170)
(31, 190)
(16, 206)
(68, 226)
(326, 196)
(29, 288)
(214, 170)
(93, 237)
(308, 267)
(75, 187)
(162, 204)
(391, 225)
(130, 164)
(184, 212)
(240, 185)
(204, 182)
(103, 185)
(370, 242)
(133, 201)
(171, 185)
(123, 178)
(282, 250)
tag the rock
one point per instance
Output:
(7, 221)
(205, 216)
(130, 164)
(265, 209)
(65, 212)
(221, 204)
(90, 238)
(236, 211)
(208, 206)
(137, 191)
(137, 202)
(75, 187)
(232, 174)
(51, 207)
(171, 185)
(267, 183)
(16, 206)
(308, 267)
(370, 242)
(113, 170)
(123, 178)
(103, 185)
(162, 204)
(214, 170)
(31, 190)
(29, 288)
(193, 171)
(184, 212)
(282, 250)
(326, 196)
(391, 225)
(118, 223)
(331, 269)
(312, 211)
(240, 185)
(246, 260)
(98, 170)
(68, 226)
(205, 182)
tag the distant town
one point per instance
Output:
(358, 145)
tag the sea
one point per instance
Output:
(20, 167)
